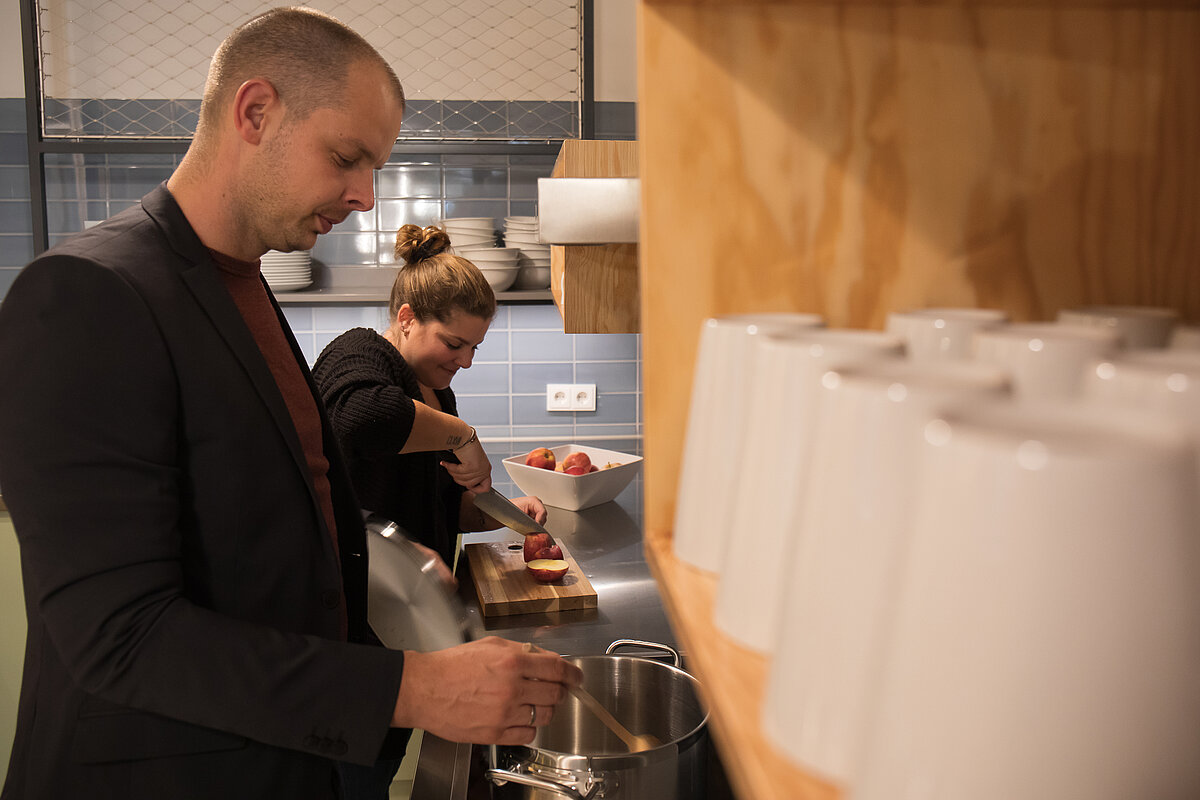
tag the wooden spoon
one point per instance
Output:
(634, 742)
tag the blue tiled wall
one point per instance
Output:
(16, 223)
(503, 394)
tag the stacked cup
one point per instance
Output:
(715, 433)
(780, 419)
(970, 561)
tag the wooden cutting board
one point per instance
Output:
(504, 586)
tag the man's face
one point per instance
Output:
(310, 175)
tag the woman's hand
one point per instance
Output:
(533, 507)
(474, 471)
(471, 519)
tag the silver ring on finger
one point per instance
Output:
(532, 716)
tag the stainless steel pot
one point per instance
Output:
(576, 756)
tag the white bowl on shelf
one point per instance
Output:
(472, 240)
(523, 239)
(529, 278)
(499, 277)
(575, 492)
(485, 223)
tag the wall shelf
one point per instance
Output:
(368, 296)
(850, 159)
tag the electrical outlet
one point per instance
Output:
(570, 397)
(583, 397)
(558, 396)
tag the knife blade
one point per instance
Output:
(501, 509)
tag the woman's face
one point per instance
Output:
(437, 350)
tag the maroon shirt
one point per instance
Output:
(242, 280)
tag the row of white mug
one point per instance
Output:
(974, 565)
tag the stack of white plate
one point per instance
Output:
(287, 272)
(522, 233)
(471, 231)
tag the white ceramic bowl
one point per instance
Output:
(493, 263)
(575, 492)
(533, 278)
(467, 240)
(523, 239)
(499, 277)
(486, 223)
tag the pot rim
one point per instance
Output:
(546, 757)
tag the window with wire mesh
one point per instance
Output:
(472, 69)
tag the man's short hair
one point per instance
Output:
(304, 53)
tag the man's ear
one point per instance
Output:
(255, 102)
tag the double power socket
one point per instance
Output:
(570, 397)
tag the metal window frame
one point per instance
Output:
(39, 147)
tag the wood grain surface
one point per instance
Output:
(855, 158)
(505, 587)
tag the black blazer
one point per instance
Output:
(181, 588)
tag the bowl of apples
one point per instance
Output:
(573, 476)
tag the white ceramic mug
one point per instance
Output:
(1156, 381)
(1138, 326)
(843, 571)
(1185, 337)
(1046, 359)
(716, 430)
(768, 483)
(937, 334)
(1047, 637)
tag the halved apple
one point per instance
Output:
(534, 544)
(547, 570)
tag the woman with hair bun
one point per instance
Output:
(389, 399)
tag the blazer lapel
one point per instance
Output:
(199, 273)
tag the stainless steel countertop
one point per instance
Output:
(606, 541)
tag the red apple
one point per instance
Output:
(594, 469)
(576, 469)
(547, 570)
(553, 552)
(540, 457)
(577, 459)
(534, 543)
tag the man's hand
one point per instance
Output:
(439, 566)
(483, 692)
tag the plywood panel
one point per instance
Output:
(596, 287)
(854, 159)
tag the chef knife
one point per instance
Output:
(501, 509)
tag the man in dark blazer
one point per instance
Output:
(193, 557)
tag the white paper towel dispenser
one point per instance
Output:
(588, 210)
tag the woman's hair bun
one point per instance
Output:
(414, 243)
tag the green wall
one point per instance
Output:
(12, 636)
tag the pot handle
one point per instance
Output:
(671, 651)
(502, 776)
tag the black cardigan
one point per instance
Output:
(369, 390)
